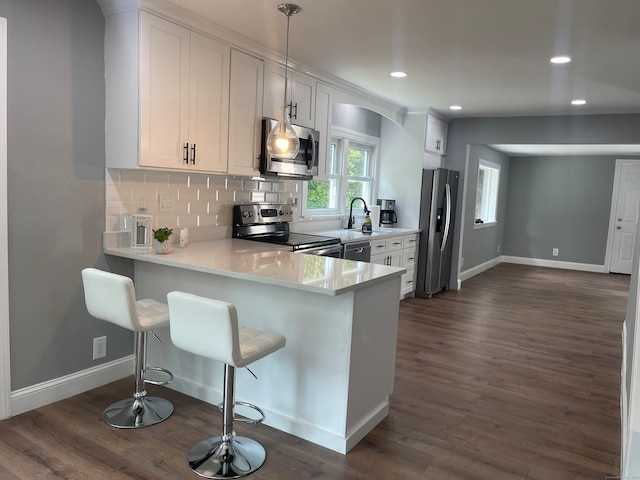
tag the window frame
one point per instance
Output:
(343, 138)
(493, 190)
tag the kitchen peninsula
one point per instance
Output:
(331, 383)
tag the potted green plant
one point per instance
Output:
(162, 240)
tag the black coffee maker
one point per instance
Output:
(387, 212)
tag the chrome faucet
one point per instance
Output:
(366, 210)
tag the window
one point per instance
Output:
(351, 173)
(487, 193)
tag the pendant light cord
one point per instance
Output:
(286, 66)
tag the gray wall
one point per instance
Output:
(55, 186)
(481, 244)
(587, 129)
(559, 202)
(357, 119)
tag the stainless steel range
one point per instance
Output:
(269, 222)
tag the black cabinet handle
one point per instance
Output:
(185, 153)
(293, 110)
(193, 154)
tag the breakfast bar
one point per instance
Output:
(331, 383)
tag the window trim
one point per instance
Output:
(355, 137)
(494, 166)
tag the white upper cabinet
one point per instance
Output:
(175, 113)
(436, 135)
(323, 125)
(301, 94)
(245, 113)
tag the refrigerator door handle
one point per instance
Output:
(447, 221)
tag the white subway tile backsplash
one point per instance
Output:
(257, 196)
(132, 176)
(279, 186)
(207, 220)
(250, 185)
(183, 179)
(157, 179)
(233, 183)
(242, 197)
(272, 197)
(201, 202)
(223, 196)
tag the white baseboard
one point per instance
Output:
(44, 393)
(332, 441)
(472, 272)
(537, 262)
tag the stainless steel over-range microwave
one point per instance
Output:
(304, 166)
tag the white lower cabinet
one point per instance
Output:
(409, 260)
(400, 251)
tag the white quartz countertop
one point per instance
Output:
(354, 235)
(270, 264)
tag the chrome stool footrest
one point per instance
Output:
(158, 382)
(242, 418)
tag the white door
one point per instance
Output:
(625, 221)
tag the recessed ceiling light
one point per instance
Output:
(578, 101)
(455, 107)
(399, 74)
(560, 59)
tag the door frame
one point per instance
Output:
(620, 162)
(5, 359)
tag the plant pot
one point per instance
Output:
(162, 248)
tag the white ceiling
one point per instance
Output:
(490, 56)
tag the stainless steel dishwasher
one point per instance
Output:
(360, 251)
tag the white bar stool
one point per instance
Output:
(112, 298)
(209, 328)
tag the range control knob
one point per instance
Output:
(282, 213)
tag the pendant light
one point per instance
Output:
(283, 141)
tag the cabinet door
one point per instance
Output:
(323, 125)
(245, 113)
(304, 100)
(164, 92)
(395, 258)
(380, 259)
(209, 104)
(301, 94)
(436, 135)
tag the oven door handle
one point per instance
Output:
(327, 251)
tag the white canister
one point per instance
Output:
(375, 217)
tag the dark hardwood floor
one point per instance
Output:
(516, 376)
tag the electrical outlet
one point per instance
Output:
(99, 347)
(165, 203)
(498, 248)
(555, 252)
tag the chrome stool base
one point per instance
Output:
(137, 412)
(213, 458)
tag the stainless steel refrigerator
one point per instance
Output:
(437, 214)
